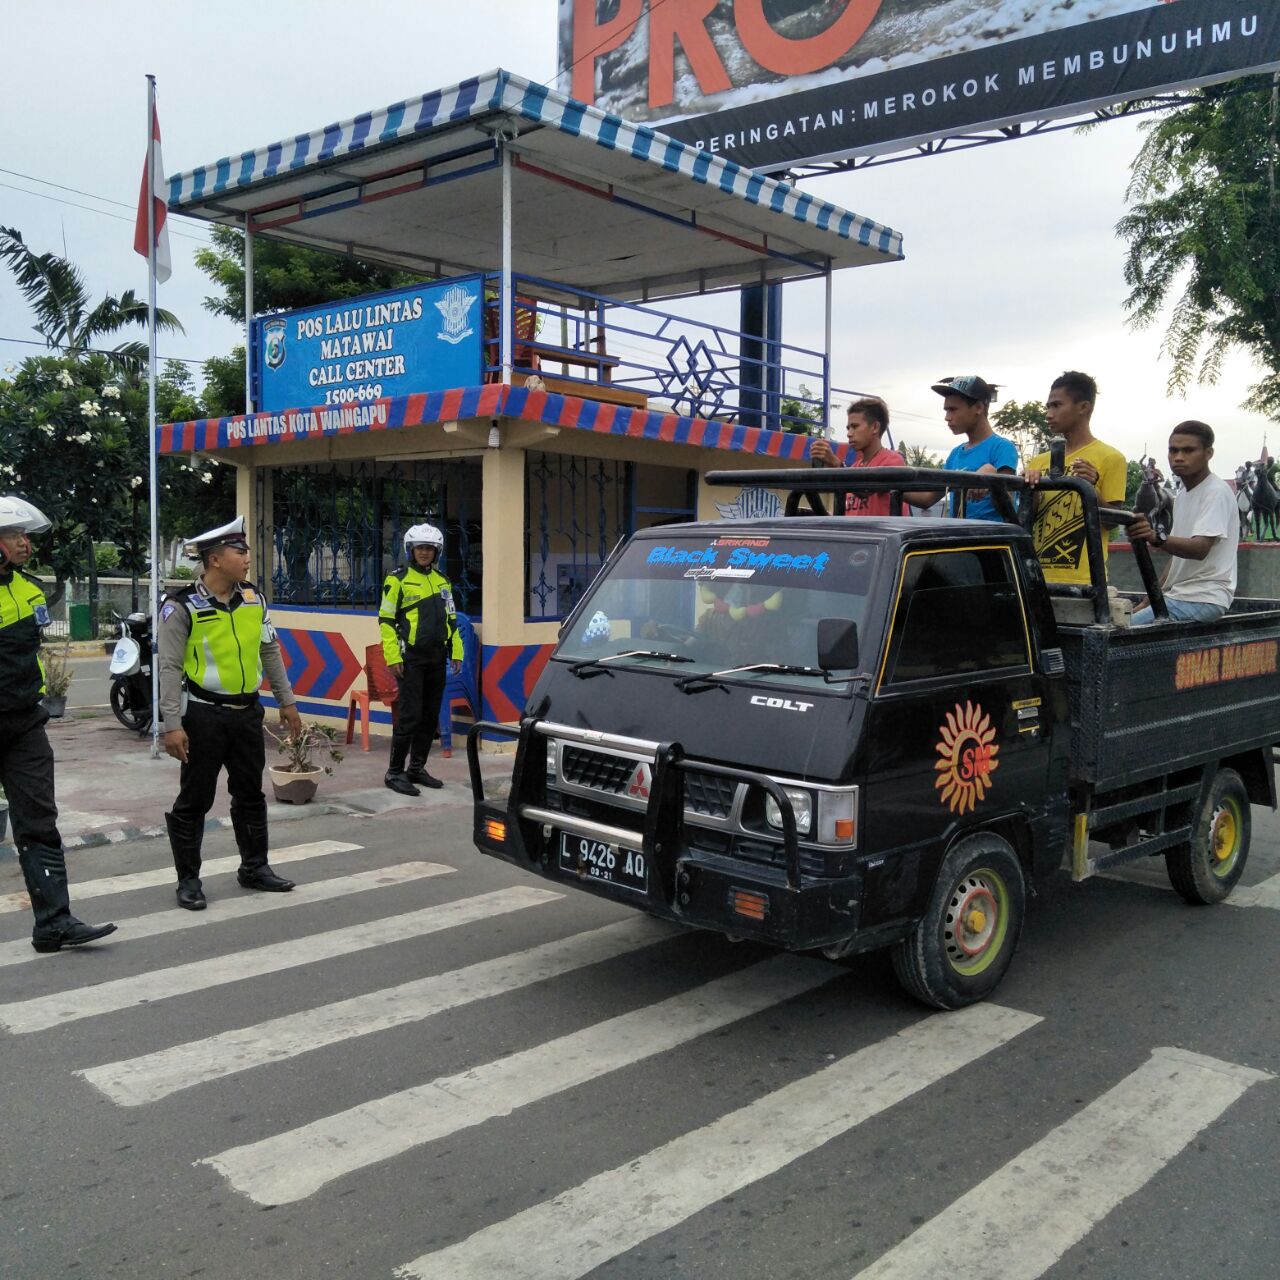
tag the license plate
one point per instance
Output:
(600, 861)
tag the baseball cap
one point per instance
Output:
(968, 385)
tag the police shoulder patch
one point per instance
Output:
(168, 611)
(42, 615)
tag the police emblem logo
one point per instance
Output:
(167, 612)
(273, 343)
(42, 615)
(249, 595)
(455, 311)
(751, 504)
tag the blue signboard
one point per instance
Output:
(425, 338)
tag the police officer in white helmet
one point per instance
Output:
(420, 642)
(26, 759)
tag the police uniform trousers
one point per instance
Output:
(220, 737)
(418, 707)
(26, 773)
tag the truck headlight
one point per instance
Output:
(801, 803)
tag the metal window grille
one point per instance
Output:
(576, 511)
(329, 535)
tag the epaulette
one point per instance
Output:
(400, 573)
(31, 578)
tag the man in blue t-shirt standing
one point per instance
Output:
(966, 402)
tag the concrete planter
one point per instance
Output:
(55, 705)
(294, 788)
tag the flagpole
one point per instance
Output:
(152, 440)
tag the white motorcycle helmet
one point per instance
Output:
(18, 513)
(423, 535)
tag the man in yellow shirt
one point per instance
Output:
(1058, 532)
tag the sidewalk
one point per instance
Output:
(110, 790)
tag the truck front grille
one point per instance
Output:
(596, 770)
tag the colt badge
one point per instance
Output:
(967, 751)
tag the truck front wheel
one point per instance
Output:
(1206, 870)
(960, 950)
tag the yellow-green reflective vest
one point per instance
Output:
(417, 616)
(224, 646)
(23, 612)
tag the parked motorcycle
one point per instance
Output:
(131, 673)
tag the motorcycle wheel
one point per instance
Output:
(137, 718)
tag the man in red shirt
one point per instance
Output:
(867, 422)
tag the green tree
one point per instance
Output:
(65, 316)
(1203, 235)
(1024, 422)
(285, 276)
(916, 455)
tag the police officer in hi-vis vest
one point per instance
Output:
(419, 636)
(216, 640)
(26, 759)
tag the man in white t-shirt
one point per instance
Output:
(1200, 580)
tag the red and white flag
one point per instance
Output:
(159, 205)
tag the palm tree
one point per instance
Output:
(64, 318)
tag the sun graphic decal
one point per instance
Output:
(967, 753)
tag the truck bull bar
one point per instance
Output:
(660, 838)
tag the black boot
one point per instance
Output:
(398, 781)
(44, 869)
(418, 773)
(185, 838)
(250, 827)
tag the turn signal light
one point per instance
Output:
(496, 830)
(844, 829)
(751, 905)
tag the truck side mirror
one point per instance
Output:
(837, 644)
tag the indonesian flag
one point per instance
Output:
(164, 262)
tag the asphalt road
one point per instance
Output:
(423, 1063)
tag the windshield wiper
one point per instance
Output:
(589, 667)
(699, 684)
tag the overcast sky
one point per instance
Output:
(1012, 267)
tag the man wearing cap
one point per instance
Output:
(26, 759)
(966, 402)
(419, 628)
(216, 641)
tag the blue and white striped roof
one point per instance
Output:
(565, 134)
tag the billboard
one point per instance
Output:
(776, 83)
(424, 338)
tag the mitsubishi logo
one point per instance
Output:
(641, 781)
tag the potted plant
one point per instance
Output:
(57, 679)
(295, 781)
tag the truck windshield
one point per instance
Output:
(699, 604)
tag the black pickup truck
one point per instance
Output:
(848, 734)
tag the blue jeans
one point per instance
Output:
(1181, 611)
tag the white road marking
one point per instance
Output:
(245, 902)
(156, 1075)
(605, 1216)
(294, 1164)
(81, 890)
(1266, 894)
(1021, 1220)
(123, 993)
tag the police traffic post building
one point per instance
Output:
(216, 641)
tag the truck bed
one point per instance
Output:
(1170, 696)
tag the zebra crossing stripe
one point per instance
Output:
(299, 1162)
(161, 876)
(156, 1075)
(605, 1216)
(1030, 1212)
(1266, 894)
(245, 902)
(123, 993)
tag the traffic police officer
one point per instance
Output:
(215, 642)
(419, 635)
(26, 759)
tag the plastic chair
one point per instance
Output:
(524, 329)
(463, 688)
(381, 686)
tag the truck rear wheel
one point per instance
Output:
(960, 950)
(1206, 870)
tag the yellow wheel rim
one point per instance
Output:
(1224, 837)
